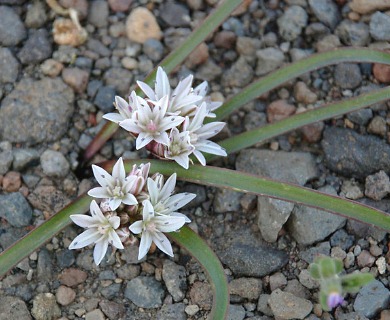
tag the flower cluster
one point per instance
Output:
(170, 123)
(131, 204)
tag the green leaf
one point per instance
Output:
(169, 64)
(329, 267)
(259, 135)
(296, 69)
(324, 301)
(199, 249)
(353, 282)
(243, 182)
(314, 271)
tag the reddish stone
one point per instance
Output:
(225, 39)
(278, 110)
(12, 181)
(313, 132)
(71, 277)
(76, 78)
(119, 5)
(198, 56)
(381, 72)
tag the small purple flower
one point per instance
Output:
(334, 299)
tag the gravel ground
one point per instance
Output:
(52, 100)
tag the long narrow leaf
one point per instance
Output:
(243, 182)
(259, 135)
(296, 69)
(40, 235)
(169, 63)
(199, 249)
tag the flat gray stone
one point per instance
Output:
(291, 22)
(326, 11)
(308, 225)
(13, 308)
(9, 66)
(15, 209)
(285, 305)
(380, 26)
(372, 298)
(45, 307)
(37, 48)
(175, 279)
(24, 158)
(40, 110)
(173, 311)
(353, 33)
(268, 60)
(54, 164)
(236, 312)
(12, 30)
(145, 292)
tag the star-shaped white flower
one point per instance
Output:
(151, 122)
(152, 227)
(200, 134)
(100, 231)
(181, 101)
(179, 147)
(125, 109)
(115, 188)
(162, 200)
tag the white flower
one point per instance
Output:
(151, 122)
(201, 90)
(115, 188)
(162, 200)
(152, 228)
(179, 147)
(125, 109)
(181, 101)
(100, 231)
(200, 134)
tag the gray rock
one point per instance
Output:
(247, 288)
(24, 158)
(239, 75)
(33, 105)
(351, 315)
(44, 266)
(293, 167)
(236, 312)
(9, 235)
(380, 26)
(326, 11)
(235, 25)
(98, 13)
(272, 215)
(12, 30)
(104, 98)
(173, 311)
(355, 155)
(262, 304)
(65, 258)
(353, 33)
(111, 291)
(112, 309)
(174, 36)
(154, 49)
(208, 71)
(9, 66)
(372, 298)
(227, 200)
(377, 185)
(285, 305)
(145, 292)
(36, 15)
(291, 22)
(45, 307)
(37, 47)
(347, 75)
(297, 289)
(6, 157)
(15, 209)
(268, 60)
(246, 255)
(120, 79)
(13, 308)
(310, 254)
(361, 117)
(175, 14)
(309, 225)
(54, 164)
(174, 277)
(342, 239)
(98, 47)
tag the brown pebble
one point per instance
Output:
(381, 72)
(65, 295)
(385, 315)
(12, 181)
(71, 277)
(198, 56)
(51, 67)
(201, 295)
(119, 5)
(303, 94)
(365, 259)
(313, 132)
(225, 39)
(76, 78)
(278, 110)
(142, 25)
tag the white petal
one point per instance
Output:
(129, 199)
(179, 200)
(102, 176)
(201, 89)
(169, 122)
(200, 157)
(210, 147)
(153, 190)
(209, 130)
(83, 220)
(114, 117)
(162, 86)
(130, 125)
(144, 245)
(147, 90)
(136, 227)
(168, 223)
(182, 160)
(99, 192)
(147, 211)
(142, 140)
(178, 214)
(162, 242)
(100, 251)
(115, 222)
(168, 188)
(96, 212)
(84, 239)
(114, 240)
(114, 203)
(118, 171)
